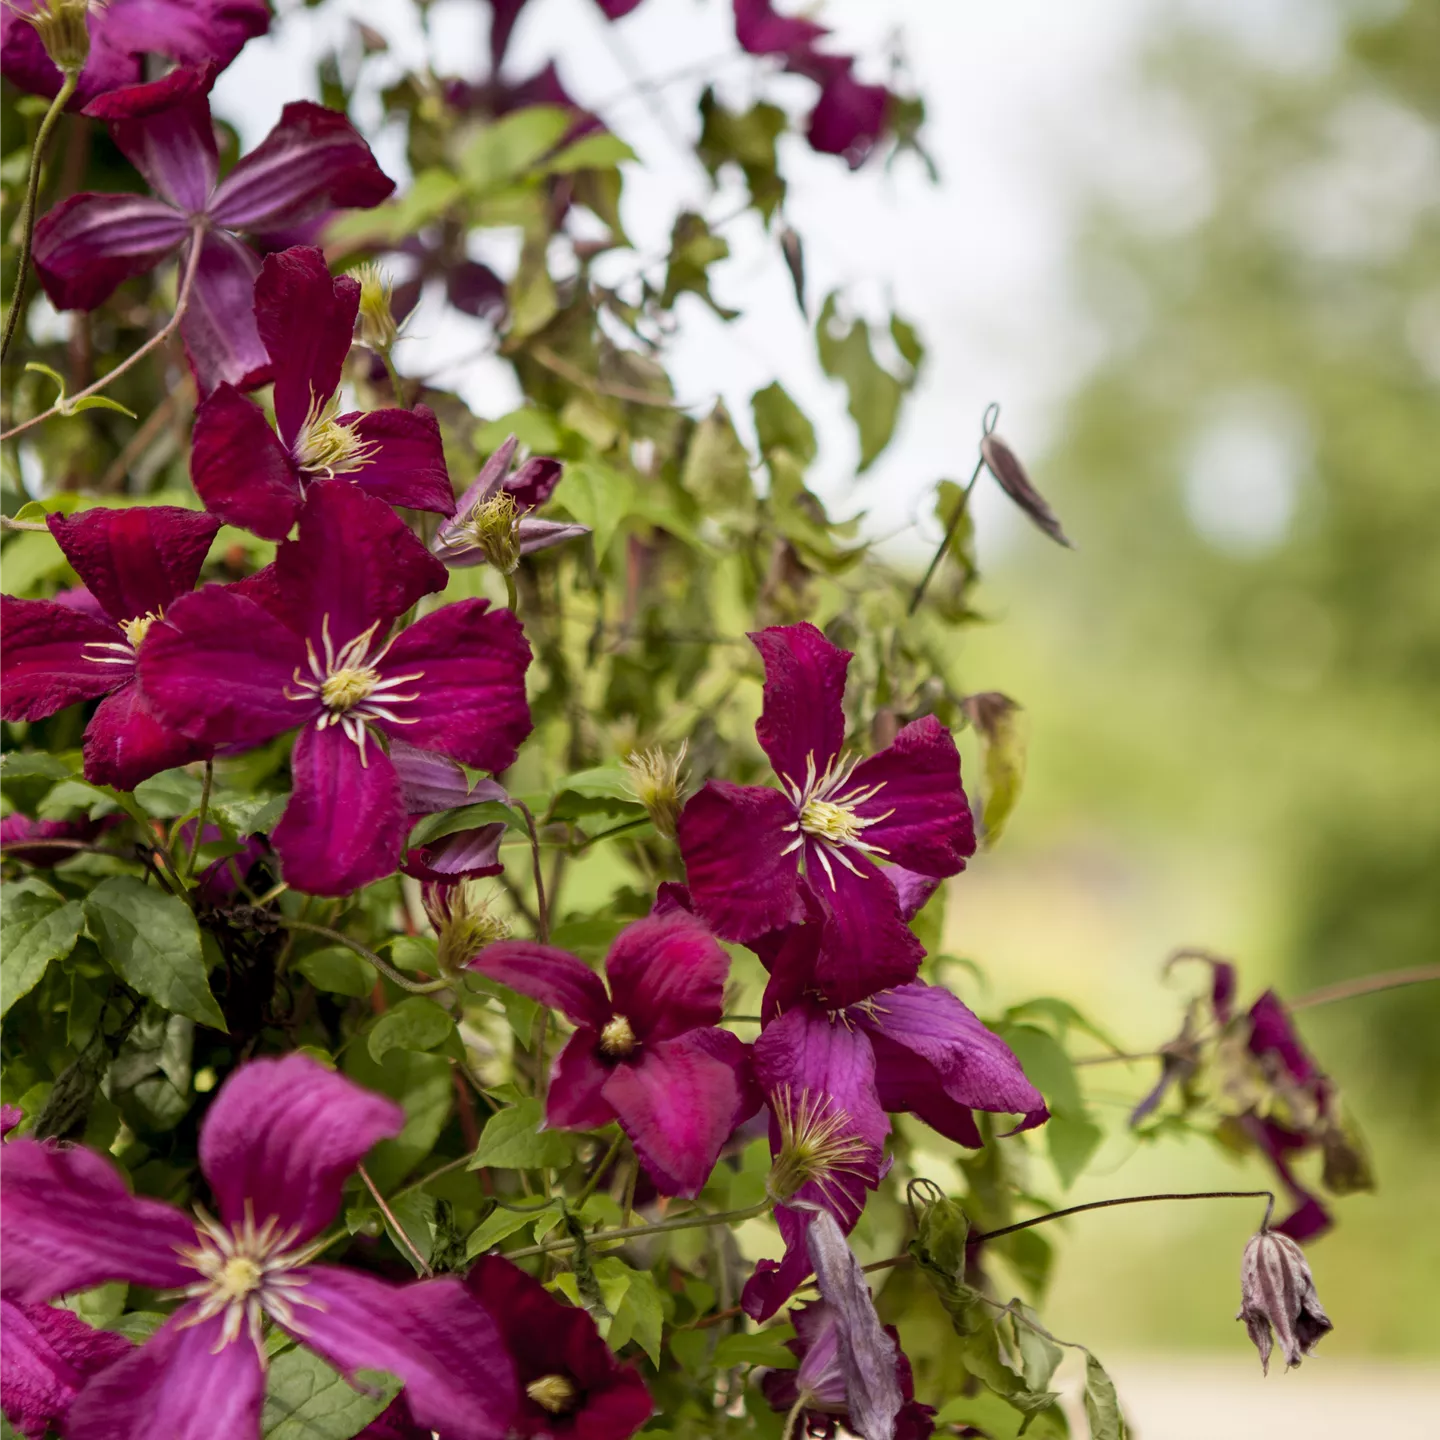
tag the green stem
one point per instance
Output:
(632, 1232)
(32, 196)
(201, 818)
(793, 1418)
(435, 1174)
(613, 831)
(950, 529)
(1267, 1195)
(415, 987)
(600, 1169)
(542, 910)
(394, 375)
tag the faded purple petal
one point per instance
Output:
(534, 482)
(313, 160)
(577, 1082)
(1307, 1221)
(46, 663)
(487, 483)
(733, 840)
(87, 244)
(761, 31)
(46, 1355)
(127, 742)
(218, 326)
(283, 1136)
(458, 1378)
(239, 467)
(71, 1224)
(913, 891)
(462, 855)
(432, 782)
(344, 826)
(775, 1281)
(803, 722)
(407, 463)
(536, 535)
(865, 946)
(553, 977)
(667, 975)
(1272, 1032)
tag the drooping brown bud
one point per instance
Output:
(1005, 466)
(64, 31)
(1277, 1291)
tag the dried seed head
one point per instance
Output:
(817, 1145)
(1277, 1291)
(657, 780)
(64, 31)
(464, 923)
(493, 528)
(377, 320)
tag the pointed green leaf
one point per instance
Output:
(513, 1140)
(37, 925)
(1102, 1405)
(415, 1023)
(307, 1400)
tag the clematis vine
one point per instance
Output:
(312, 161)
(275, 1149)
(306, 644)
(135, 564)
(649, 1052)
(757, 858)
(494, 524)
(249, 476)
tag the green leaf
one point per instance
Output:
(465, 817)
(639, 1316)
(907, 341)
(170, 793)
(153, 943)
(532, 299)
(423, 1084)
(97, 402)
(613, 1278)
(780, 424)
(414, 952)
(728, 137)
(498, 1225)
(599, 496)
(591, 152)
(37, 925)
(497, 153)
(693, 249)
(416, 1214)
(845, 355)
(1047, 1066)
(54, 375)
(1072, 1141)
(416, 1023)
(765, 1348)
(1002, 747)
(1040, 1356)
(1102, 1405)
(338, 970)
(717, 465)
(306, 1400)
(513, 1140)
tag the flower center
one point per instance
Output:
(617, 1039)
(554, 1393)
(346, 688)
(817, 1144)
(492, 527)
(325, 447)
(828, 821)
(826, 807)
(136, 629)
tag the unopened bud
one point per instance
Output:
(1277, 1291)
(464, 923)
(657, 780)
(377, 319)
(1003, 463)
(64, 31)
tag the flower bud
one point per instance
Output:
(1277, 1290)
(64, 31)
(493, 528)
(464, 924)
(377, 320)
(657, 781)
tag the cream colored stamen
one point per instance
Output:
(325, 447)
(617, 1039)
(552, 1392)
(826, 813)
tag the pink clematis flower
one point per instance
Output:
(648, 1053)
(249, 476)
(756, 857)
(305, 643)
(123, 33)
(46, 1356)
(311, 161)
(275, 1149)
(136, 563)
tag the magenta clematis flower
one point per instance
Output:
(136, 563)
(430, 783)
(275, 1149)
(123, 33)
(304, 644)
(756, 857)
(33, 841)
(572, 1386)
(250, 477)
(493, 522)
(311, 161)
(46, 1356)
(648, 1053)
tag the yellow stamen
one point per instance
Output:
(136, 629)
(346, 688)
(617, 1039)
(554, 1393)
(816, 1143)
(492, 526)
(324, 447)
(829, 821)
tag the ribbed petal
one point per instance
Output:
(344, 826)
(677, 1104)
(534, 534)
(731, 1050)
(906, 1083)
(576, 1100)
(464, 855)
(126, 742)
(534, 482)
(775, 1281)
(71, 1224)
(306, 321)
(164, 130)
(912, 890)
(190, 32)
(181, 1384)
(667, 975)
(407, 464)
(25, 63)
(554, 977)
(485, 486)
(432, 782)
(733, 841)
(470, 664)
(86, 245)
(239, 467)
(218, 327)
(927, 825)
(46, 1355)
(803, 719)
(217, 668)
(43, 662)
(865, 946)
(311, 161)
(458, 1378)
(283, 1136)
(136, 560)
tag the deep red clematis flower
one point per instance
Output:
(276, 1147)
(305, 643)
(251, 477)
(756, 857)
(135, 562)
(312, 161)
(571, 1385)
(123, 33)
(648, 1053)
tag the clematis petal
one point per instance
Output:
(487, 483)
(667, 975)
(849, 117)
(912, 890)
(1272, 1032)
(86, 245)
(283, 1136)
(865, 946)
(803, 720)
(761, 31)
(217, 668)
(733, 839)
(458, 1378)
(183, 1383)
(577, 1081)
(434, 782)
(71, 1224)
(239, 467)
(46, 1355)
(906, 1083)
(921, 819)
(46, 663)
(463, 855)
(731, 1050)
(534, 482)
(677, 1104)
(312, 161)
(469, 662)
(135, 561)
(306, 321)
(775, 1281)
(218, 327)
(344, 826)
(126, 742)
(553, 977)
(534, 534)
(407, 461)
(24, 62)
(190, 32)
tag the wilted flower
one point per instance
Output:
(464, 923)
(1277, 1291)
(1003, 463)
(657, 780)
